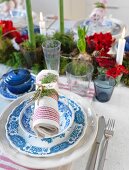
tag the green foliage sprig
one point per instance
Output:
(125, 77)
(78, 68)
(67, 41)
(49, 78)
(99, 5)
(39, 39)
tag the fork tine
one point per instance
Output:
(110, 124)
(113, 123)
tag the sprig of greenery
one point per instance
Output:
(48, 92)
(49, 78)
(99, 5)
(67, 41)
(78, 68)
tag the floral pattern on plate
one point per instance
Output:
(4, 92)
(44, 147)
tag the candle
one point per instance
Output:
(41, 16)
(42, 25)
(121, 47)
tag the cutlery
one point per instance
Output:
(101, 127)
(108, 133)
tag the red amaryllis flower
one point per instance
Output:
(106, 62)
(100, 42)
(8, 30)
(116, 71)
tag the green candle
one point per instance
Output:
(61, 15)
(30, 23)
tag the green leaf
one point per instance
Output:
(81, 44)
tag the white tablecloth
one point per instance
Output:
(117, 157)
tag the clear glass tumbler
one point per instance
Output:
(79, 76)
(104, 87)
(51, 49)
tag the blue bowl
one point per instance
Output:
(18, 81)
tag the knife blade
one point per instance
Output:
(101, 128)
(100, 133)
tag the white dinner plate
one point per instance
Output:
(54, 161)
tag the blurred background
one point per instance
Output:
(80, 9)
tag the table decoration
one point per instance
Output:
(99, 22)
(50, 162)
(81, 44)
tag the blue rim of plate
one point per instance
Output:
(24, 142)
(66, 117)
(5, 93)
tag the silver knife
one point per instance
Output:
(101, 127)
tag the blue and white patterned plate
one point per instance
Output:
(4, 92)
(66, 113)
(45, 147)
(112, 25)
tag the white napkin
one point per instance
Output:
(46, 115)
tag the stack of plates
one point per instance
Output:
(77, 133)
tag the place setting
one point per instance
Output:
(28, 125)
(67, 89)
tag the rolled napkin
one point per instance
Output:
(46, 115)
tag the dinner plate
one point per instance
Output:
(112, 25)
(44, 147)
(72, 154)
(6, 94)
(66, 113)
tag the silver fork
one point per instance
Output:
(108, 133)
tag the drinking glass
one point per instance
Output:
(79, 76)
(104, 86)
(51, 49)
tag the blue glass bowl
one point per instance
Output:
(18, 81)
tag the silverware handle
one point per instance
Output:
(94, 157)
(102, 158)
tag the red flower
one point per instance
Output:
(105, 62)
(8, 30)
(116, 71)
(100, 42)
